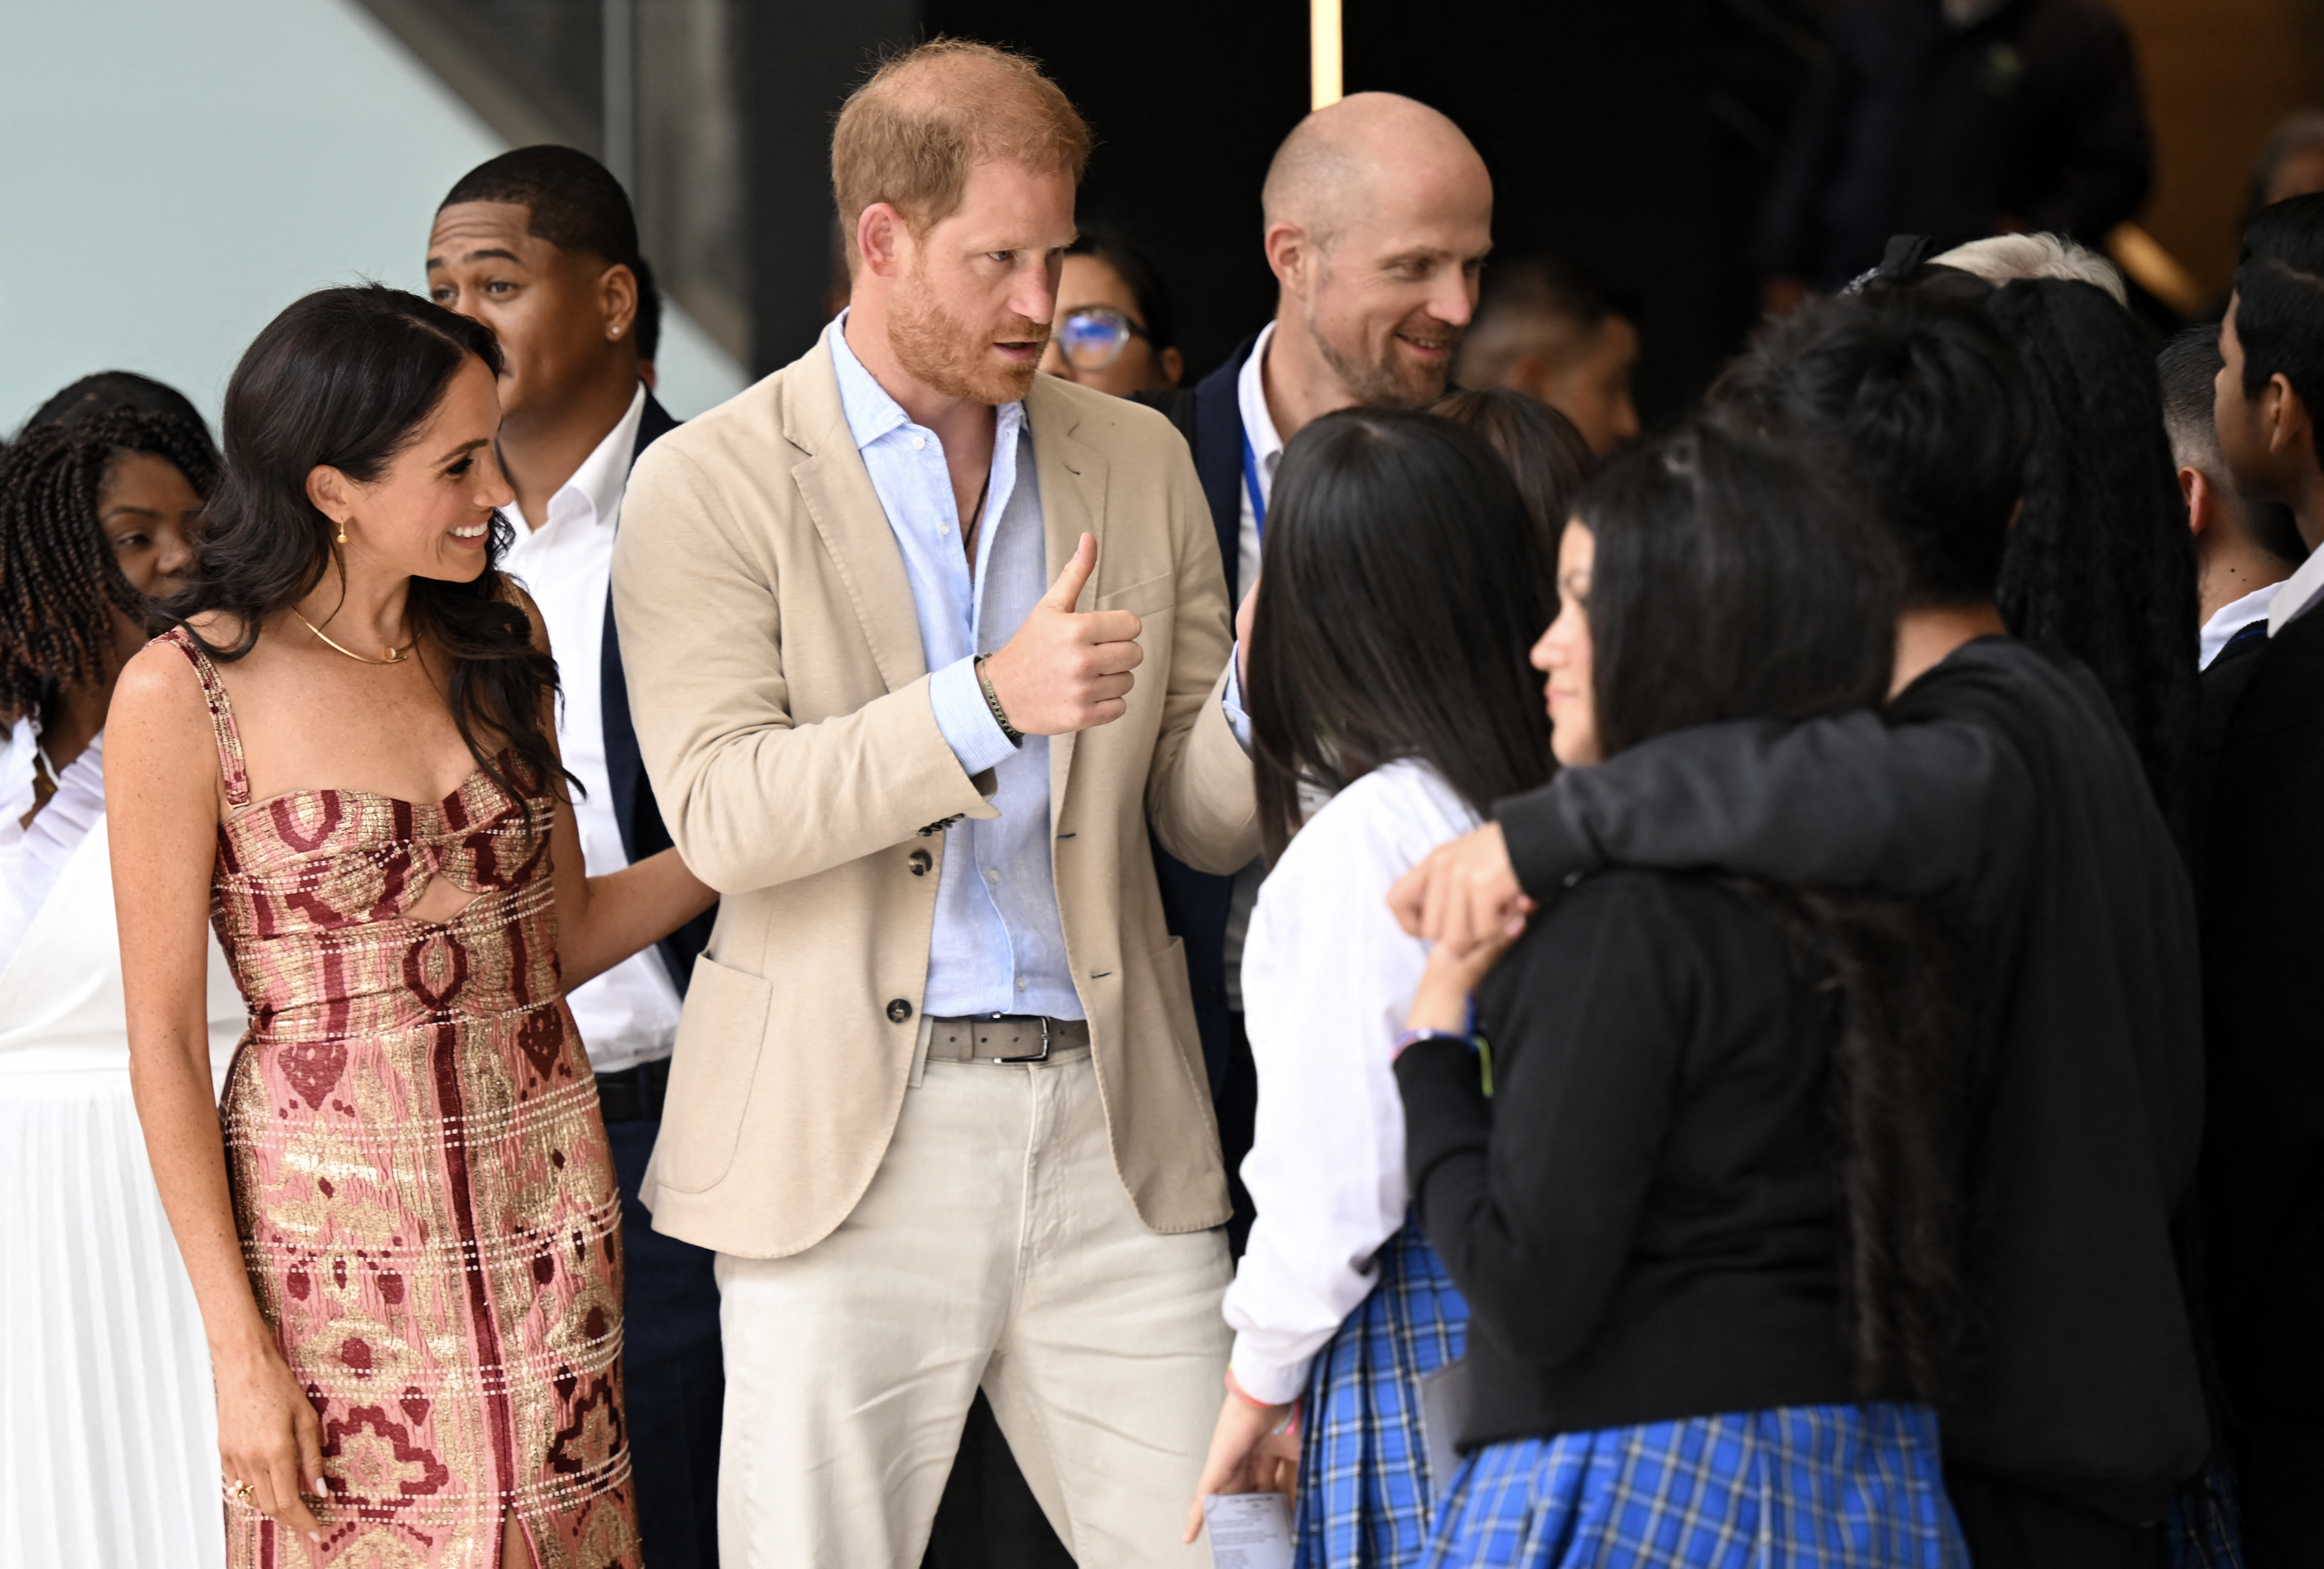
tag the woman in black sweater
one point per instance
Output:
(1699, 1187)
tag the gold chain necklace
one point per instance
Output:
(394, 656)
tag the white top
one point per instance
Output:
(33, 857)
(2230, 619)
(1267, 453)
(2296, 593)
(629, 1014)
(1328, 978)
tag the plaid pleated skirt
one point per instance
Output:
(1817, 1487)
(1364, 1487)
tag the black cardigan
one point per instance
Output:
(1644, 1217)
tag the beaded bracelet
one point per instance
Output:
(992, 700)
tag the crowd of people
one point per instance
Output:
(585, 986)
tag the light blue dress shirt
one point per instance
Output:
(998, 946)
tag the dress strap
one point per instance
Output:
(236, 771)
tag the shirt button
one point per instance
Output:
(899, 1010)
(943, 530)
(920, 862)
(992, 877)
(919, 443)
(1020, 983)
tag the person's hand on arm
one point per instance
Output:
(163, 803)
(1462, 893)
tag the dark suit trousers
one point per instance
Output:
(674, 1378)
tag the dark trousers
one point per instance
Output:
(674, 1378)
(2010, 1525)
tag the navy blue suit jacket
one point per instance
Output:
(634, 808)
(1196, 903)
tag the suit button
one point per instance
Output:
(920, 863)
(899, 1010)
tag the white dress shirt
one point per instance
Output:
(998, 946)
(629, 1014)
(1328, 978)
(2230, 619)
(2296, 594)
(33, 857)
(1267, 452)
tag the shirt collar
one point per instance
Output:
(1250, 400)
(2296, 593)
(603, 475)
(872, 413)
(2230, 619)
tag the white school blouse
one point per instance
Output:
(1327, 980)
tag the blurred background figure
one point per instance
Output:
(2291, 161)
(1115, 329)
(1543, 451)
(1956, 119)
(1544, 328)
(107, 1424)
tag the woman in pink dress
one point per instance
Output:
(401, 1222)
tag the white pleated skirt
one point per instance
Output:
(108, 1426)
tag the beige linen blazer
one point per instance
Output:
(780, 695)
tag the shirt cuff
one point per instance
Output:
(1276, 1383)
(1545, 848)
(1237, 720)
(966, 719)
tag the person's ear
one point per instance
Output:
(2196, 491)
(1289, 256)
(332, 493)
(1174, 367)
(883, 240)
(2289, 433)
(617, 296)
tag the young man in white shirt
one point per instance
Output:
(540, 245)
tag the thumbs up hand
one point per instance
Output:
(1064, 671)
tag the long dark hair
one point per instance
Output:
(1545, 453)
(2100, 563)
(58, 581)
(346, 377)
(1730, 583)
(1402, 588)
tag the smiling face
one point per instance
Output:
(430, 513)
(564, 319)
(1390, 288)
(975, 293)
(1564, 654)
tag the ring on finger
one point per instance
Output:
(242, 1492)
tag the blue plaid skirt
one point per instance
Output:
(1812, 1486)
(1364, 1487)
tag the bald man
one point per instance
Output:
(1378, 214)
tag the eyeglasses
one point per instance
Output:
(1094, 336)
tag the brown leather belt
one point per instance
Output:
(1005, 1037)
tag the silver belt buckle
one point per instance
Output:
(1040, 1055)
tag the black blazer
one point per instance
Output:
(634, 808)
(1195, 903)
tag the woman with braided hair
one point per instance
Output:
(105, 1392)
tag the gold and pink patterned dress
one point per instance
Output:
(420, 1176)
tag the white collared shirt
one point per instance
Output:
(1328, 981)
(1265, 449)
(629, 1014)
(2296, 594)
(2230, 619)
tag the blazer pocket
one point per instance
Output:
(719, 1037)
(1143, 598)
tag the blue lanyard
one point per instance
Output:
(1251, 487)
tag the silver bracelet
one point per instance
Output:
(992, 700)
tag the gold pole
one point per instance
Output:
(1323, 53)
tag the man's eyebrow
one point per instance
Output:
(465, 448)
(489, 251)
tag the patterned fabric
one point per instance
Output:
(1815, 1486)
(421, 1178)
(1364, 1487)
(2204, 1527)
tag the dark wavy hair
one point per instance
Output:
(2101, 564)
(58, 581)
(1404, 586)
(344, 378)
(1545, 453)
(1730, 581)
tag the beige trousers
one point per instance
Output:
(995, 1246)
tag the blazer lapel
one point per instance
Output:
(837, 490)
(1072, 474)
